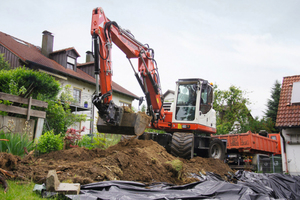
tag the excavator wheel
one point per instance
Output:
(216, 149)
(182, 145)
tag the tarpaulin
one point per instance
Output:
(249, 186)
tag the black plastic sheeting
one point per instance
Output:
(248, 186)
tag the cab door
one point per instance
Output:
(206, 113)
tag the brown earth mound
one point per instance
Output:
(132, 160)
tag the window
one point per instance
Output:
(296, 93)
(77, 95)
(125, 104)
(186, 102)
(70, 63)
(206, 99)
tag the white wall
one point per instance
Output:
(118, 98)
(87, 90)
(292, 151)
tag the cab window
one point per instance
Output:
(206, 99)
(186, 102)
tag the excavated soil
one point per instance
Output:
(132, 160)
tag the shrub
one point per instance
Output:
(21, 79)
(111, 139)
(99, 140)
(4, 65)
(59, 117)
(16, 143)
(86, 141)
(72, 137)
(50, 142)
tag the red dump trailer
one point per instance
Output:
(245, 150)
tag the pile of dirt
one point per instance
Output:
(132, 160)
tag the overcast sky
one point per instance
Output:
(248, 44)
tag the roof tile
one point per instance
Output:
(288, 114)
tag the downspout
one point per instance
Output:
(284, 151)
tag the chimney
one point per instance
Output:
(47, 43)
(89, 56)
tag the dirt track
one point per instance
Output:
(132, 160)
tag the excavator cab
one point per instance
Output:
(193, 103)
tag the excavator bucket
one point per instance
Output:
(131, 124)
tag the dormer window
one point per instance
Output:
(70, 63)
(66, 57)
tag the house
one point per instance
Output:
(62, 65)
(168, 96)
(288, 121)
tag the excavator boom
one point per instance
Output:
(113, 119)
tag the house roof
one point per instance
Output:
(288, 114)
(116, 87)
(66, 49)
(31, 54)
(168, 92)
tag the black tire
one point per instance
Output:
(216, 149)
(182, 145)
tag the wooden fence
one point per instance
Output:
(20, 123)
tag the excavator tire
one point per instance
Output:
(216, 149)
(182, 145)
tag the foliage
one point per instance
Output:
(15, 90)
(16, 143)
(50, 142)
(86, 141)
(144, 108)
(66, 96)
(59, 117)
(19, 80)
(5, 102)
(150, 130)
(272, 104)
(231, 106)
(4, 65)
(72, 137)
(99, 141)
(111, 139)
(256, 125)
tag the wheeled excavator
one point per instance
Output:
(190, 121)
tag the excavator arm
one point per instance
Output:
(104, 33)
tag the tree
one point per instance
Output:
(231, 106)
(255, 125)
(272, 104)
(4, 65)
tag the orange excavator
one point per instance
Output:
(189, 122)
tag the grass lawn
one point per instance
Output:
(21, 190)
